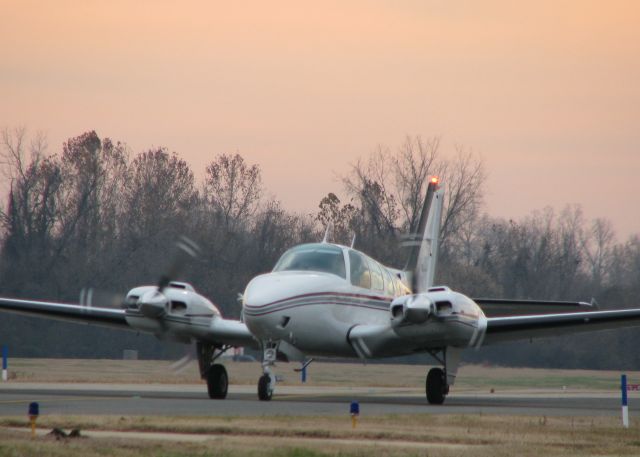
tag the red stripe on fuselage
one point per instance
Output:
(320, 294)
(257, 313)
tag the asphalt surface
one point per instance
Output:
(192, 400)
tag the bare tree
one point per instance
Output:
(160, 197)
(160, 189)
(30, 216)
(371, 185)
(94, 176)
(388, 191)
(14, 158)
(233, 188)
(339, 217)
(412, 165)
(464, 178)
(597, 244)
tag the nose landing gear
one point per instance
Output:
(265, 387)
(267, 382)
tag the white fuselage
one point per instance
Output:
(315, 312)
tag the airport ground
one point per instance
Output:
(143, 408)
(470, 377)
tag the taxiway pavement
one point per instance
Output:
(192, 400)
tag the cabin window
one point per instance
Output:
(313, 257)
(360, 275)
(401, 289)
(388, 281)
(376, 275)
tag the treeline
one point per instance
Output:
(95, 215)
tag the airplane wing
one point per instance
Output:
(383, 340)
(497, 307)
(108, 317)
(213, 329)
(512, 328)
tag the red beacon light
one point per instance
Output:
(435, 180)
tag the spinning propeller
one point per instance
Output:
(152, 302)
(184, 250)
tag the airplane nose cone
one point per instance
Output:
(305, 309)
(271, 291)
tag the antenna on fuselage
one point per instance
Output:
(327, 231)
(353, 241)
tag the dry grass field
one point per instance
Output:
(470, 377)
(395, 435)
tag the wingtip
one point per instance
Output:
(592, 304)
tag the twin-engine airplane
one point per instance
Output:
(329, 300)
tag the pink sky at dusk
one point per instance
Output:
(547, 92)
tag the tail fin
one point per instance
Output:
(423, 256)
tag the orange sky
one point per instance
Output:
(547, 92)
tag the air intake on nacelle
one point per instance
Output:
(181, 285)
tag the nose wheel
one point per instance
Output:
(267, 382)
(265, 389)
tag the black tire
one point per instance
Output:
(217, 382)
(436, 387)
(264, 392)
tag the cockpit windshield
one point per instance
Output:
(313, 257)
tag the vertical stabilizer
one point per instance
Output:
(423, 256)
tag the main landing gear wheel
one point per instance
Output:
(217, 382)
(437, 388)
(264, 388)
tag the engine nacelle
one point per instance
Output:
(167, 314)
(415, 309)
